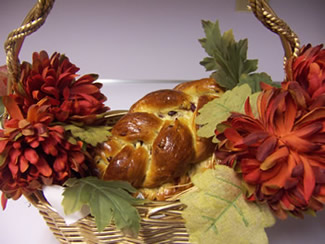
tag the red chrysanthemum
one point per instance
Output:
(308, 69)
(54, 78)
(280, 153)
(34, 152)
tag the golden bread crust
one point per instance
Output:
(156, 142)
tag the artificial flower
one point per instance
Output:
(54, 78)
(308, 69)
(35, 152)
(280, 153)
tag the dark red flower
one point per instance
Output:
(280, 154)
(34, 152)
(308, 69)
(54, 78)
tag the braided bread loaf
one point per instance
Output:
(156, 141)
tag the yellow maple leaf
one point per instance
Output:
(217, 211)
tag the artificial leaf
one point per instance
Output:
(219, 109)
(107, 200)
(72, 140)
(254, 80)
(226, 56)
(89, 134)
(217, 211)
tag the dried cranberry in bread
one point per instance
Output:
(156, 141)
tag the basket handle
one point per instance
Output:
(265, 14)
(32, 22)
(38, 14)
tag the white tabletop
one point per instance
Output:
(22, 224)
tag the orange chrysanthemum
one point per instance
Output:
(280, 153)
(34, 152)
(54, 78)
(34, 146)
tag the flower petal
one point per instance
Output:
(266, 148)
(43, 167)
(309, 179)
(255, 137)
(12, 107)
(4, 200)
(308, 130)
(23, 164)
(286, 204)
(13, 169)
(233, 136)
(316, 114)
(248, 108)
(31, 155)
(299, 144)
(278, 181)
(3, 144)
(319, 175)
(60, 162)
(271, 160)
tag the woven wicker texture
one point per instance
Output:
(161, 222)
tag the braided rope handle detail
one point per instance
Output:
(32, 22)
(270, 20)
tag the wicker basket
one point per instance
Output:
(161, 221)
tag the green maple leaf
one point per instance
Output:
(107, 200)
(218, 110)
(90, 134)
(227, 58)
(254, 80)
(217, 211)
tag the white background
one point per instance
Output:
(152, 40)
(156, 39)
